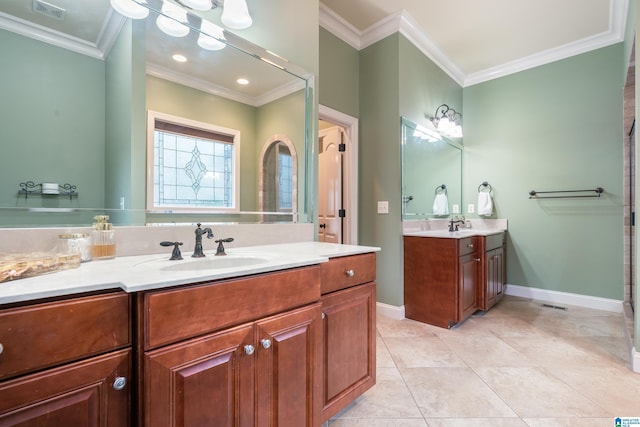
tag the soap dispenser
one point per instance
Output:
(104, 238)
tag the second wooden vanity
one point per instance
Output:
(448, 278)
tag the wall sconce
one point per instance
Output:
(447, 121)
(235, 13)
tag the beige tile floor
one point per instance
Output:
(520, 364)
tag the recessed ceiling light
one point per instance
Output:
(242, 81)
(179, 58)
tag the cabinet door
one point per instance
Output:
(499, 274)
(468, 268)
(202, 382)
(288, 370)
(80, 394)
(349, 346)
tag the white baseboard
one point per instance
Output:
(635, 360)
(586, 301)
(391, 311)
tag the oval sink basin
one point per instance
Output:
(214, 263)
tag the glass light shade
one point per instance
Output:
(235, 14)
(210, 36)
(172, 23)
(130, 8)
(202, 5)
(444, 124)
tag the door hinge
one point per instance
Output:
(342, 213)
(342, 147)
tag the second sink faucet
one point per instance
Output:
(456, 221)
(197, 251)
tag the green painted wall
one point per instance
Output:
(52, 126)
(554, 127)
(340, 70)
(379, 163)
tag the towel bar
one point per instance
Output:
(535, 194)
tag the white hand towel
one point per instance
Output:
(441, 204)
(485, 203)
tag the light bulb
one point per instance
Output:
(130, 8)
(235, 14)
(210, 36)
(171, 20)
(202, 5)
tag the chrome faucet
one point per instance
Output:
(197, 251)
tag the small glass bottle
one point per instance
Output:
(79, 243)
(104, 238)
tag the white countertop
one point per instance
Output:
(460, 234)
(145, 272)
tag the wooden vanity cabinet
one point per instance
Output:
(493, 271)
(242, 352)
(349, 330)
(66, 362)
(441, 279)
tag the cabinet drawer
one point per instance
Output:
(41, 335)
(344, 272)
(468, 245)
(494, 241)
(181, 313)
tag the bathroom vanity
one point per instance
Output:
(287, 342)
(450, 275)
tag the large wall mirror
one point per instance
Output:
(77, 93)
(431, 173)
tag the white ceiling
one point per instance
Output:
(477, 40)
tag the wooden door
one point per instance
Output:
(330, 186)
(349, 346)
(468, 270)
(288, 370)
(80, 394)
(205, 381)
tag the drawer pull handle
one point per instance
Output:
(119, 383)
(470, 245)
(477, 259)
(1, 348)
(248, 349)
(349, 273)
(266, 343)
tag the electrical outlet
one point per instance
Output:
(455, 209)
(383, 207)
(471, 208)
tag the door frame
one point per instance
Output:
(349, 171)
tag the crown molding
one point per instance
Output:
(213, 89)
(403, 22)
(335, 24)
(97, 50)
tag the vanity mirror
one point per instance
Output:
(76, 97)
(431, 173)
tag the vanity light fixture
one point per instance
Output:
(131, 9)
(235, 13)
(173, 19)
(201, 5)
(447, 121)
(210, 36)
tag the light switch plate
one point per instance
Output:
(383, 207)
(471, 208)
(455, 209)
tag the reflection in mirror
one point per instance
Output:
(431, 173)
(278, 182)
(74, 110)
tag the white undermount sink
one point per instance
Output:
(214, 263)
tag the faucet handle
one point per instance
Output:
(175, 255)
(220, 251)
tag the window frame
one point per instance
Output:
(152, 116)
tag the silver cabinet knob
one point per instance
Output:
(324, 315)
(266, 343)
(119, 383)
(477, 259)
(349, 273)
(1, 348)
(248, 349)
(470, 245)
